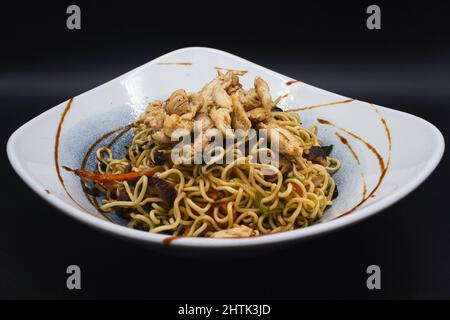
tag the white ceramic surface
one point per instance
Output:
(118, 102)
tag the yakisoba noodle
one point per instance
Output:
(235, 199)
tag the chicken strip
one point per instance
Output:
(153, 116)
(263, 91)
(239, 117)
(229, 82)
(160, 138)
(287, 143)
(258, 114)
(163, 118)
(175, 122)
(221, 97)
(259, 101)
(235, 85)
(236, 232)
(196, 103)
(249, 99)
(178, 103)
(220, 112)
(204, 121)
(208, 89)
(222, 120)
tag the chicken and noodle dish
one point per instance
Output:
(223, 162)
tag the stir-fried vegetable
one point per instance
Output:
(335, 193)
(297, 189)
(318, 154)
(259, 204)
(327, 149)
(163, 190)
(112, 177)
(159, 158)
(285, 167)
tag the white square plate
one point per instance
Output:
(377, 146)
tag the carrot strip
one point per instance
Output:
(112, 177)
(297, 189)
(186, 231)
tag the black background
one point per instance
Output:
(405, 65)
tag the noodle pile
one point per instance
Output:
(224, 200)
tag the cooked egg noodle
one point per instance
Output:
(213, 197)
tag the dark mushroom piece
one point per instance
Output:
(335, 193)
(159, 158)
(91, 190)
(319, 154)
(285, 166)
(102, 166)
(163, 189)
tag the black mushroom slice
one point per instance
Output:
(319, 154)
(327, 149)
(335, 193)
(91, 190)
(163, 189)
(159, 158)
(285, 167)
